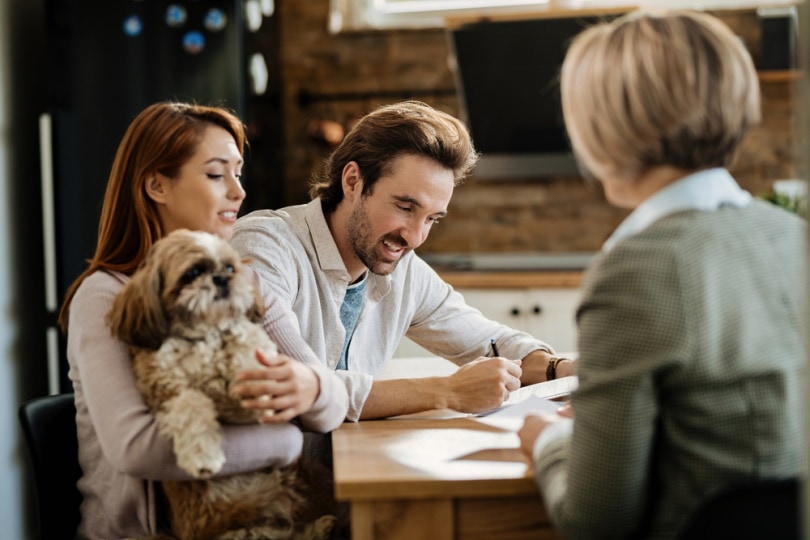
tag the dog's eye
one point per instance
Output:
(230, 268)
(192, 274)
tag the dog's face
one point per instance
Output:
(188, 281)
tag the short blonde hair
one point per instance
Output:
(658, 88)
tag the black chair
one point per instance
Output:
(762, 509)
(49, 426)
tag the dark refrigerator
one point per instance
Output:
(106, 61)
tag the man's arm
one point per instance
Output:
(478, 386)
(535, 365)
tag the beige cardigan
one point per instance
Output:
(120, 450)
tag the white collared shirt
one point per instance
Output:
(705, 190)
(293, 252)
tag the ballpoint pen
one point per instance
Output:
(494, 347)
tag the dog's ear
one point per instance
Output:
(137, 316)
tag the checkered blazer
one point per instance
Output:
(691, 372)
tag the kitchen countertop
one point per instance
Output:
(505, 279)
(510, 270)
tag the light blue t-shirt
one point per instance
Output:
(349, 313)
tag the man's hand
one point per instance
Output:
(482, 385)
(284, 389)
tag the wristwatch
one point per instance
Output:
(551, 369)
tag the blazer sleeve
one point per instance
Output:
(631, 324)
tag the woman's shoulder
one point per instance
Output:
(101, 282)
(105, 279)
(94, 297)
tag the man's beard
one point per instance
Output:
(366, 248)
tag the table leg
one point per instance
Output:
(403, 519)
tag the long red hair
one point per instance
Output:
(161, 139)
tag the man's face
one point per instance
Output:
(397, 215)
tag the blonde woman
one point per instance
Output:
(690, 331)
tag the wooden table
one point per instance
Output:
(415, 478)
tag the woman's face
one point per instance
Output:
(207, 193)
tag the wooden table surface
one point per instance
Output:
(414, 458)
(438, 479)
(438, 475)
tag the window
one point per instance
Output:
(384, 14)
(347, 15)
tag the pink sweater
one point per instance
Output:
(120, 450)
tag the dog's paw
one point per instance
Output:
(201, 463)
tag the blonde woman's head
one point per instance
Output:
(657, 89)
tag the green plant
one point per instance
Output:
(793, 203)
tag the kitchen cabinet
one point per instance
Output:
(546, 313)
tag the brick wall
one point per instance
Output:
(316, 76)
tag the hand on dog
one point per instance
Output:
(284, 389)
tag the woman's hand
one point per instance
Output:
(535, 423)
(284, 389)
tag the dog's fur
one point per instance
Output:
(190, 316)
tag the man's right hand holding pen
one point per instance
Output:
(482, 385)
(478, 386)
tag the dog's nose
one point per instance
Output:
(220, 280)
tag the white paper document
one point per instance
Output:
(547, 390)
(532, 398)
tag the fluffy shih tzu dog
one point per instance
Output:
(191, 317)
